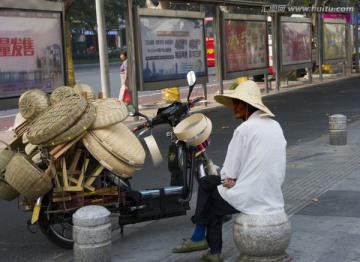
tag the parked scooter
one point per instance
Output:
(187, 160)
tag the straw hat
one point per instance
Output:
(247, 91)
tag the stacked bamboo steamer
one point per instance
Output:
(111, 142)
(47, 121)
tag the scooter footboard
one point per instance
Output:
(155, 204)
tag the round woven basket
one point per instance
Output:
(109, 111)
(122, 143)
(32, 103)
(58, 118)
(5, 156)
(26, 178)
(105, 158)
(60, 93)
(194, 129)
(6, 191)
(79, 127)
(80, 88)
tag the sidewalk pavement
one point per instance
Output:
(321, 191)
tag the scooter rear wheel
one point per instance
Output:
(57, 227)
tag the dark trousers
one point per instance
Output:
(210, 209)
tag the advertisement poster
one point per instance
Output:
(171, 47)
(245, 45)
(334, 41)
(30, 51)
(296, 43)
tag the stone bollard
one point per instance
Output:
(262, 238)
(92, 234)
(337, 127)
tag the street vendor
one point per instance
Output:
(251, 176)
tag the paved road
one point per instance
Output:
(303, 114)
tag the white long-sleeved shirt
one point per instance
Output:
(256, 158)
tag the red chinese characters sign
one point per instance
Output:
(31, 51)
(245, 45)
(16, 46)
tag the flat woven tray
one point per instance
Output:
(105, 158)
(60, 93)
(58, 118)
(122, 143)
(79, 127)
(109, 111)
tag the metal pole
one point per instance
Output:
(276, 50)
(104, 63)
(319, 44)
(356, 34)
(201, 9)
(130, 43)
(217, 45)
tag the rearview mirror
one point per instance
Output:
(191, 78)
(131, 109)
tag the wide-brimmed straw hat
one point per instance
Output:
(247, 91)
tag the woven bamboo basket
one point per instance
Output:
(26, 178)
(109, 111)
(122, 143)
(60, 93)
(6, 191)
(80, 88)
(79, 127)
(5, 156)
(32, 103)
(105, 158)
(58, 118)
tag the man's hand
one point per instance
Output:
(228, 182)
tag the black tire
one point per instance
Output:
(57, 227)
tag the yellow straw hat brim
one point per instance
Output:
(247, 91)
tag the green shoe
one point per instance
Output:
(207, 256)
(189, 246)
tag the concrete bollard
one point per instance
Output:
(262, 238)
(92, 234)
(337, 128)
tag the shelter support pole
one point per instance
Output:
(356, 35)
(130, 43)
(104, 63)
(319, 44)
(277, 49)
(217, 45)
(201, 9)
